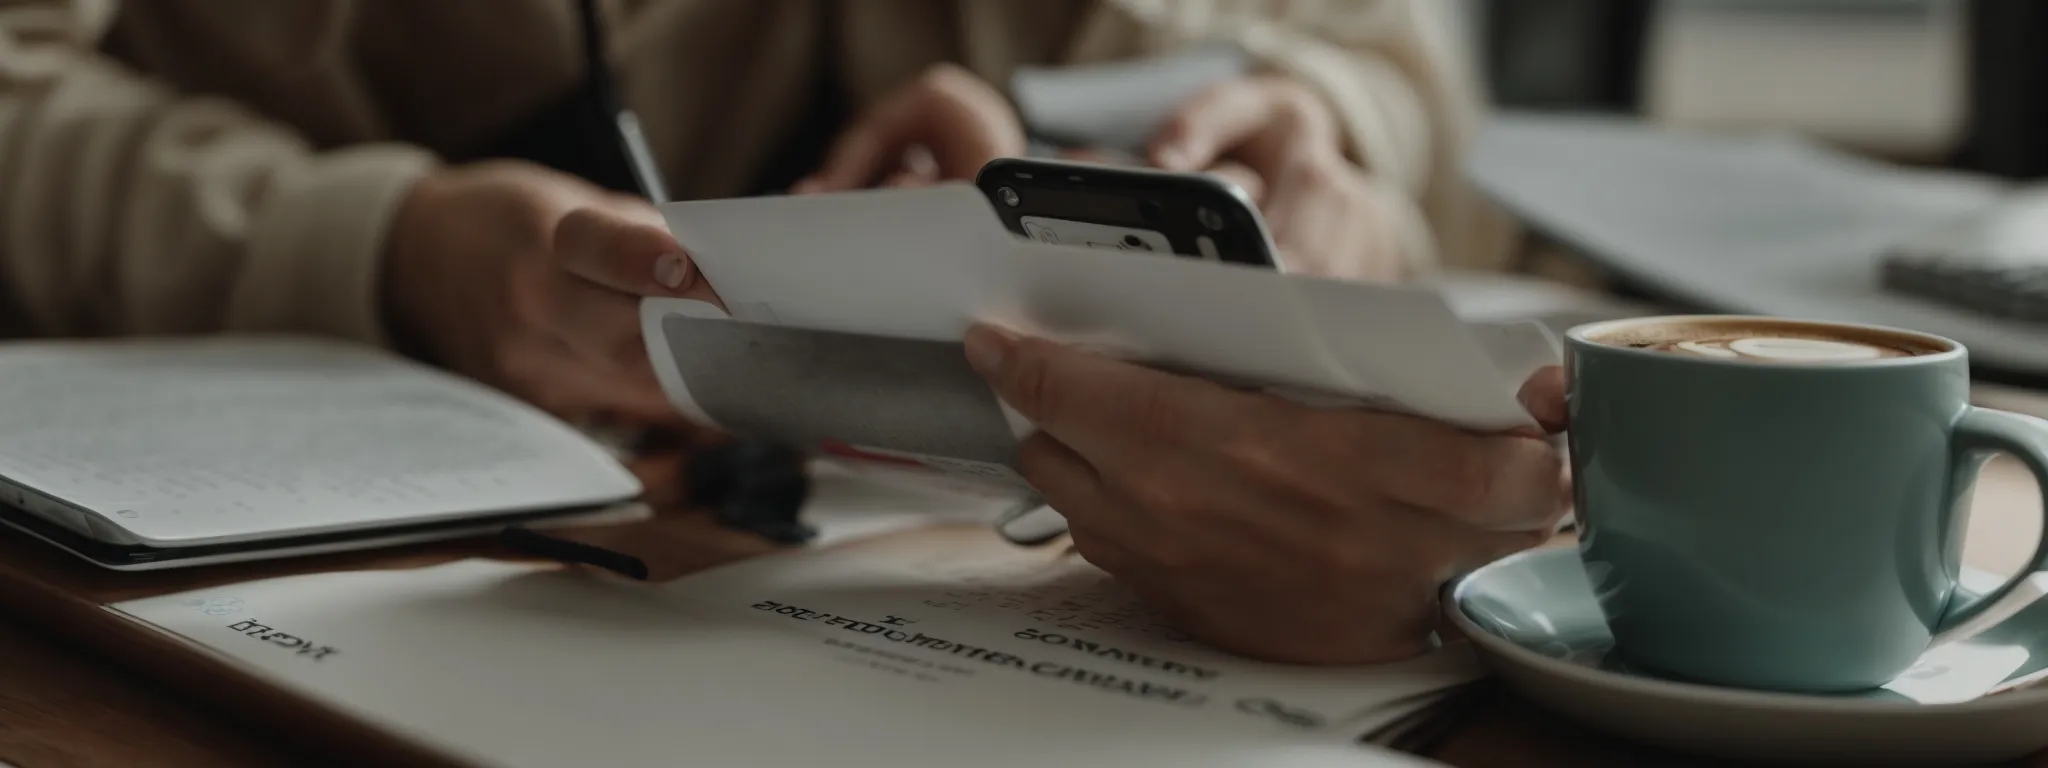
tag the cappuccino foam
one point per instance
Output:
(1767, 342)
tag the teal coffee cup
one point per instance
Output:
(1779, 504)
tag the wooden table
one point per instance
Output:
(79, 687)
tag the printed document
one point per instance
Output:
(936, 647)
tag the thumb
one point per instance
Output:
(623, 253)
(1036, 378)
(1544, 397)
(1089, 402)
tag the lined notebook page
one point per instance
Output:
(219, 439)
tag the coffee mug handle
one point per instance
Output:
(2025, 437)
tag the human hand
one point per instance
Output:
(530, 280)
(1262, 526)
(1279, 141)
(943, 126)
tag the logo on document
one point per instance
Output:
(268, 634)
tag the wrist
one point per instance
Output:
(407, 268)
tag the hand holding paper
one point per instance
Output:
(1238, 509)
(1238, 512)
(926, 264)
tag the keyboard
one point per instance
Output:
(1994, 264)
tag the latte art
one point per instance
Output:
(1789, 350)
(1759, 340)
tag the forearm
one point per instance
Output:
(133, 209)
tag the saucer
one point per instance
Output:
(1536, 623)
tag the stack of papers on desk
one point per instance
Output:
(1746, 224)
(939, 647)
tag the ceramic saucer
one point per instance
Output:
(1535, 621)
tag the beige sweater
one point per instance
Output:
(183, 166)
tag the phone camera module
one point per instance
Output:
(1133, 241)
(1010, 197)
(1209, 218)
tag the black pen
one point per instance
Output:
(625, 126)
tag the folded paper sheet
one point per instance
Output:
(846, 313)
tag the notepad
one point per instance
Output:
(153, 453)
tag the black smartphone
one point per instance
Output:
(1193, 215)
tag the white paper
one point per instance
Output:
(1056, 613)
(517, 665)
(219, 440)
(870, 499)
(850, 308)
(1959, 672)
(1118, 105)
(1745, 224)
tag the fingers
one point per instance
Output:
(960, 119)
(861, 154)
(1543, 395)
(968, 123)
(1115, 412)
(919, 169)
(1100, 156)
(567, 384)
(1244, 177)
(1504, 483)
(873, 146)
(1093, 404)
(1261, 119)
(1068, 482)
(624, 254)
(1492, 482)
(598, 323)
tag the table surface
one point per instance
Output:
(74, 693)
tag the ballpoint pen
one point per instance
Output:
(631, 150)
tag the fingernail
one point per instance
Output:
(671, 270)
(1172, 158)
(987, 348)
(805, 187)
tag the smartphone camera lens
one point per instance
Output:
(1010, 197)
(1209, 218)
(1133, 241)
(1151, 211)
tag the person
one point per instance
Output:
(321, 166)
(326, 166)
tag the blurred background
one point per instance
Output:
(1953, 83)
(1865, 160)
